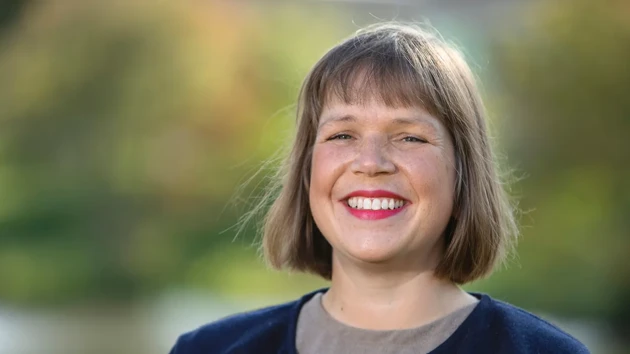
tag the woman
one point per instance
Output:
(390, 192)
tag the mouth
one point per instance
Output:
(374, 205)
(361, 203)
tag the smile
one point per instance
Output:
(374, 205)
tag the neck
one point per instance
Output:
(391, 299)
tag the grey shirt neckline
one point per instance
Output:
(319, 332)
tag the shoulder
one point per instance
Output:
(234, 331)
(264, 329)
(529, 332)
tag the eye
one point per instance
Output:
(413, 139)
(341, 136)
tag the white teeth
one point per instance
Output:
(374, 203)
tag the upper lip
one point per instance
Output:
(379, 193)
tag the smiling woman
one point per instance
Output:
(391, 193)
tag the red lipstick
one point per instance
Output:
(366, 214)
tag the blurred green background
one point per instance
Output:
(127, 130)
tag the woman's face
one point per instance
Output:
(382, 183)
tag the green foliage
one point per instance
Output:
(564, 80)
(125, 128)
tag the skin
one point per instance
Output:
(383, 269)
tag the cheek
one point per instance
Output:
(326, 167)
(432, 174)
(318, 167)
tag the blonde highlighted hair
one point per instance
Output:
(400, 65)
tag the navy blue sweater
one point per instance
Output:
(492, 327)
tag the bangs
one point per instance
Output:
(388, 72)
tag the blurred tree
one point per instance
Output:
(567, 75)
(10, 11)
(125, 128)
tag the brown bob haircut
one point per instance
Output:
(400, 65)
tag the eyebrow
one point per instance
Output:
(343, 118)
(396, 121)
(408, 121)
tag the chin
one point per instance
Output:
(372, 252)
(373, 258)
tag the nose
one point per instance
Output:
(372, 159)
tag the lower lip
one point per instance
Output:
(365, 214)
